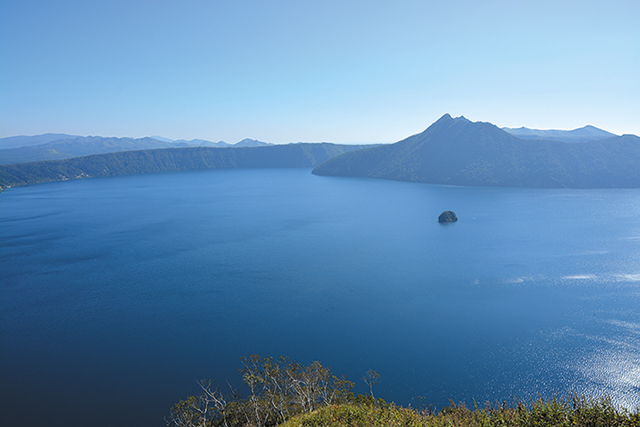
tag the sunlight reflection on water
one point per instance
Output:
(613, 372)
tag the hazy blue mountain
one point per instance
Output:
(248, 142)
(199, 143)
(460, 152)
(205, 143)
(192, 142)
(586, 133)
(23, 149)
(25, 141)
(299, 155)
(161, 138)
(78, 146)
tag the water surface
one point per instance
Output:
(118, 294)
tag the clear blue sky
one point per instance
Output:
(339, 71)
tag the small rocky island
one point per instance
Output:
(447, 216)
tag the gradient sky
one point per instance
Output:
(339, 71)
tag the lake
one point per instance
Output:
(118, 294)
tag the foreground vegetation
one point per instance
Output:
(571, 411)
(283, 392)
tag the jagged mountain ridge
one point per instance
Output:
(461, 152)
(583, 134)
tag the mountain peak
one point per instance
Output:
(450, 120)
(447, 122)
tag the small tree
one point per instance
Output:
(278, 389)
(371, 378)
(199, 411)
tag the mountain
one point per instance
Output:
(23, 149)
(301, 155)
(161, 138)
(78, 146)
(192, 142)
(199, 143)
(26, 141)
(460, 152)
(586, 133)
(247, 142)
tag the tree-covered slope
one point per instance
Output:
(460, 152)
(171, 159)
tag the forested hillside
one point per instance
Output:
(171, 159)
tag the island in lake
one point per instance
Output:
(447, 217)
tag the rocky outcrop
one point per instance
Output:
(447, 216)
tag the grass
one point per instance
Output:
(574, 411)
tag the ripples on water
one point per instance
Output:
(118, 294)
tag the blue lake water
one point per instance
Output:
(118, 294)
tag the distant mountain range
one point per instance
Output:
(453, 151)
(22, 149)
(247, 142)
(26, 141)
(460, 152)
(583, 134)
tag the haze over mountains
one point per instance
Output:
(22, 149)
(247, 142)
(453, 151)
(26, 141)
(460, 152)
(586, 133)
